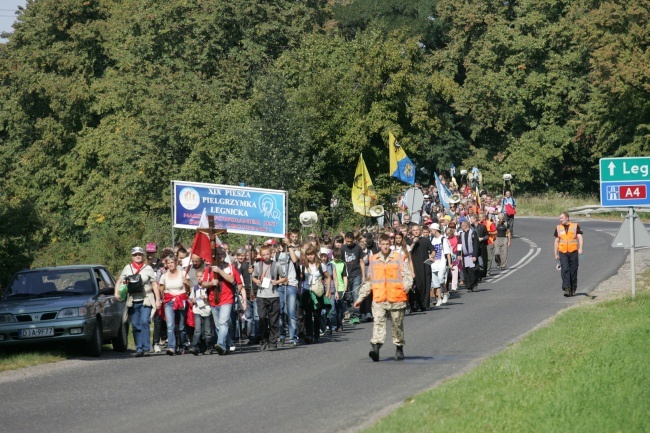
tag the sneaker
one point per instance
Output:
(445, 298)
(194, 351)
(273, 347)
(139, 354)
(293, 343)
(156, 348)
(170, 352)
(354, 320)
(233, 348)
(439, 303)
(220, 349)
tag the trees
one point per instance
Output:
(103, 102)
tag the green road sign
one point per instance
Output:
(625, 169)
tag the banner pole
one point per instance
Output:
(171, 184)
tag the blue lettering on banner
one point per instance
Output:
(252, 211)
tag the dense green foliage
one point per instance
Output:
(103, 102)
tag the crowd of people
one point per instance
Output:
(291, 291)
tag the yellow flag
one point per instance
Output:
(363, 193)
(396, 153)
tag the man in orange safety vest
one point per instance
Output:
(568, 249)
(389, 279)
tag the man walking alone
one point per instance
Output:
(389, 279)
(568, 248)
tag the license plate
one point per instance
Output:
(36, 332)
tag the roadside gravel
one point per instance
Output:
(620, 284)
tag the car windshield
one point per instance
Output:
(52, 283)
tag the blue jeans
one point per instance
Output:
(354, 284)
(202, 327)
(140, 319)
(288, 299)
(252, 319)
(170, 317)
(221, 316)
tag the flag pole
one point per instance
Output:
(390, 202)
(363, 173)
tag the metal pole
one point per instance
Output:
(390, 202)
(171, 184)
(365, 190)
(631, 216)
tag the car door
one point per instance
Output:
(111, 308)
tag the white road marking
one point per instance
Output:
(532, 253)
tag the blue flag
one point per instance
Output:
(401, 166)
(443, 192)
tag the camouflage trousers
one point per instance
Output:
(379, 314)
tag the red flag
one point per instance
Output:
(201, 246)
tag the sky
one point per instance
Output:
(7, 14)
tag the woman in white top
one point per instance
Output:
(173, 289)
(314, 272)
(140, 303)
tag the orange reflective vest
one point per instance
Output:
(386, 278)
(568, 239)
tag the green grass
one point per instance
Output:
(14, 361)
(552, 204)
(587, 371)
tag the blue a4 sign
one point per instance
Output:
(617, 194)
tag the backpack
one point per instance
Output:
(510, 211)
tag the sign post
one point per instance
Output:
(625, 182)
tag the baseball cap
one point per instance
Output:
(435, 226)
(137, 250)
(151, 247)
(324, 250)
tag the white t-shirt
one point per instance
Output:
(173, 286)
(442, 248)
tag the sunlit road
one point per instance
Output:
(329, 387)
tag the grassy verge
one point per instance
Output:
(15, 359)
(551, 204)
(587, 371)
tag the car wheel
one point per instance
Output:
(94, 345)
(121, 341)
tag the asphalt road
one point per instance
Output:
(329, 387)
